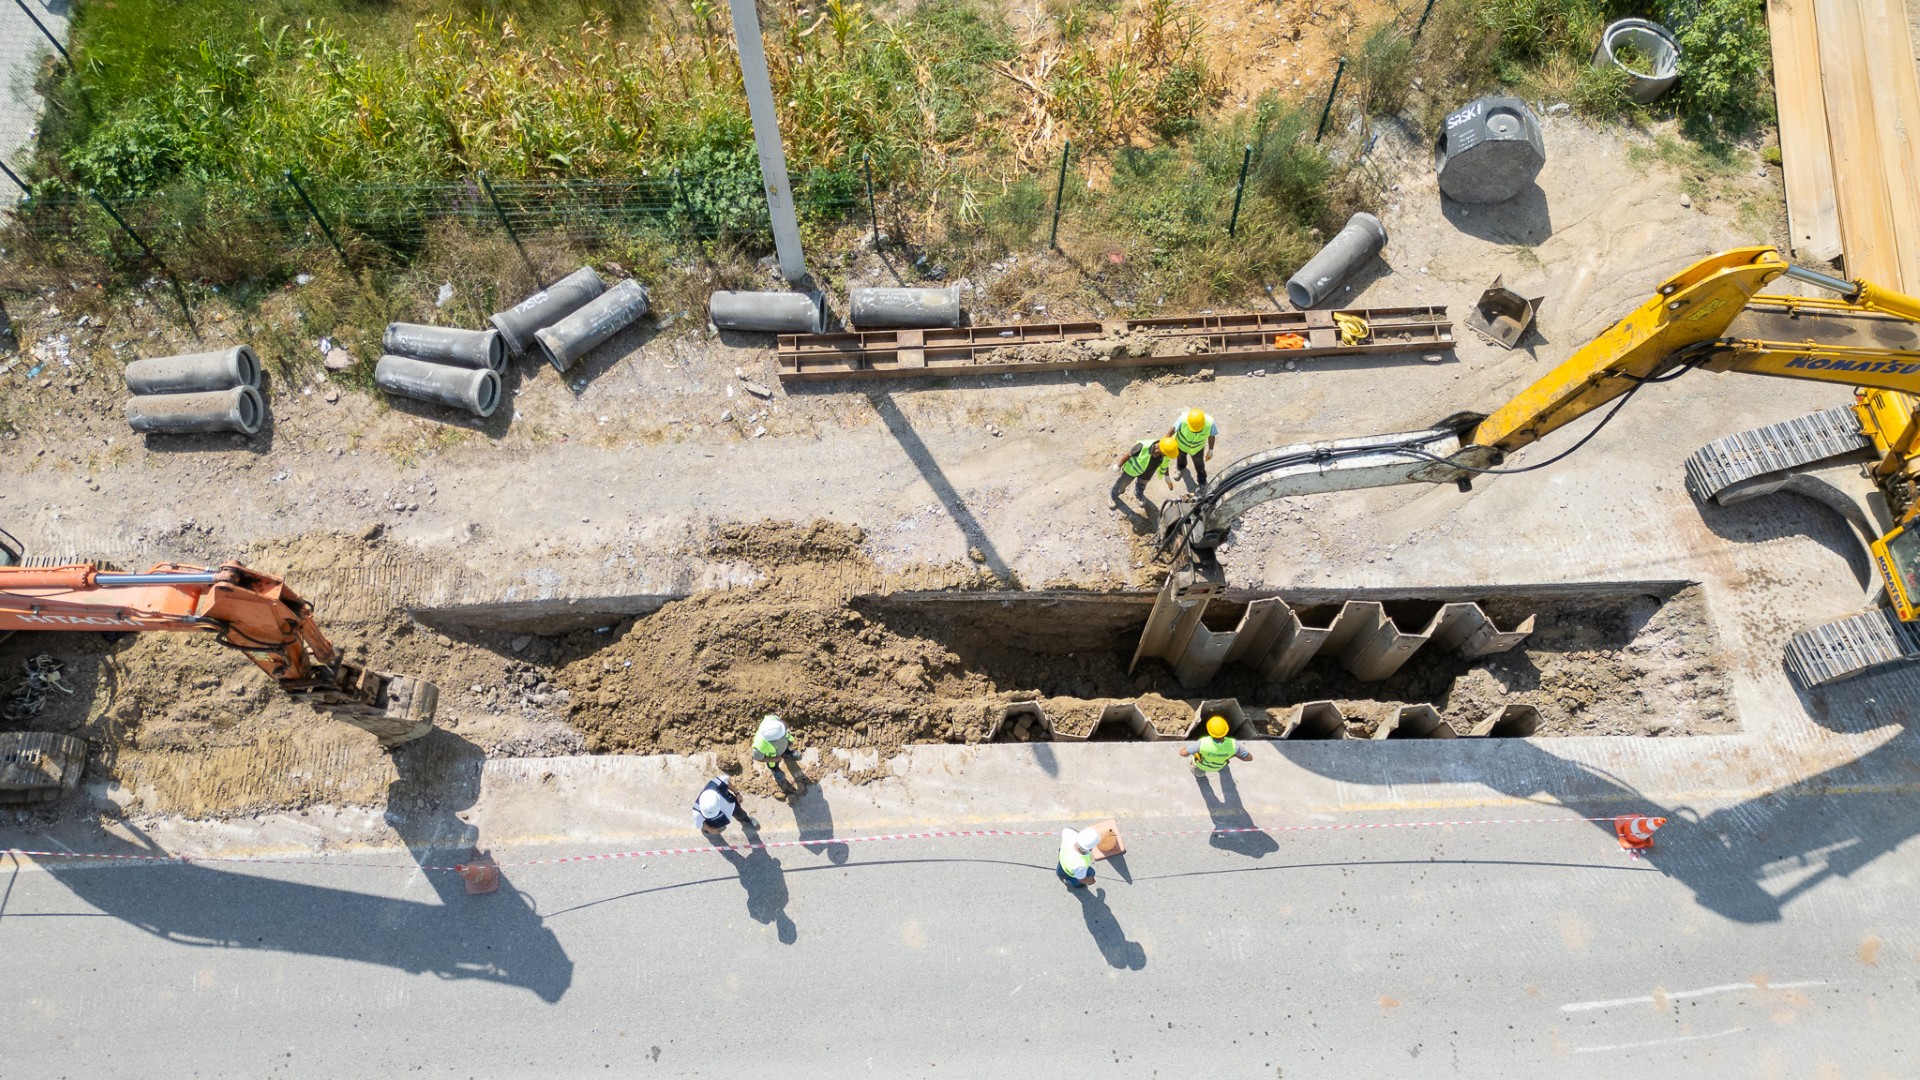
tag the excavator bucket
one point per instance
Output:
(1503, 316)
(395, 709)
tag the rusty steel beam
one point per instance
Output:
(1169, 341)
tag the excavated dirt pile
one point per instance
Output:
(699, 673)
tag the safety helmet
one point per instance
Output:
(772, 729)
(1196, 420)
(1088, 839)
(1168, 447)
(708, 804)
(1217, 727)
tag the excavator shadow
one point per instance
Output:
(1781, 515)
(497, 937)
(1745, 861)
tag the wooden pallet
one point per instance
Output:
(908, 354)
(1813, 219)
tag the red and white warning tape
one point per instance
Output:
(943, 834)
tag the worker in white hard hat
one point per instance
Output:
(716, 804)
(772, 744)
(1076, 856)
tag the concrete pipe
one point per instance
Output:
(1658, 51)
(777, 312)
(548, 306)
(604, 316)
(912, 308)
(1352, 246)
(447, 345)
(195, 373)
(474, 390)
(238, 408)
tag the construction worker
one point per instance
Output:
(1076, 857)
(1147, 458)
(1216, 749)
(1194, 434)
(771, 746)
(716, 804)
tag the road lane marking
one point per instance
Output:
(1657, 1042)
(1678, 995)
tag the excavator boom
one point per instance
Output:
(248, 611)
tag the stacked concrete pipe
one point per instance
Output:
(196, 393)
(474, 390)
(447, 345)
(520, 322)
(443, 364)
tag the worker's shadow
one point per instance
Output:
(1120, 953)
(766, 885)
(1227, 813)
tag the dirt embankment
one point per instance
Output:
(698, 674)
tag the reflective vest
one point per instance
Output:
(1072, 859)
(1215, 753)
(1191, 441)
(1142, 456)
(770, 750)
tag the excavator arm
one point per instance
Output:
(248, 611)
(1694, 320)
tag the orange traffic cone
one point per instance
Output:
(482, 875)
(1636, 831)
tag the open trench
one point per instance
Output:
(178, 724)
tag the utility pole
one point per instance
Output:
(766, 137)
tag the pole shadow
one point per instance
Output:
(766, 886)
(1119, 952)
(814, 815)
(1228, 812)
(916, 450)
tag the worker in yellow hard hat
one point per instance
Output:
(1215, 749)
(1147, 458)
(1194, 435)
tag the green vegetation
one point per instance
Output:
(1545, 48)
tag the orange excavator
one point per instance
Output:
(254, 613)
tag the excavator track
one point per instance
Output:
(1849, 646)
(1723, 464)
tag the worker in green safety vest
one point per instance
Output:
(1212, 753)
(1147, 458)
(1194, 435)
(772, 745)
(1076, 856)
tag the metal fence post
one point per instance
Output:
(508, 225)
(1059, 192)
(1240, 189)
(1326, 111)
(318, 220)
(873, 215)
(179, 290)
(28, 12)
(1422, 25)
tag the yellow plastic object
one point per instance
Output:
(1353, 329)
(1217, 727)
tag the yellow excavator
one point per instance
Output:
(1860, 458)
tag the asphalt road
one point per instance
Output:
(1491, 950)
